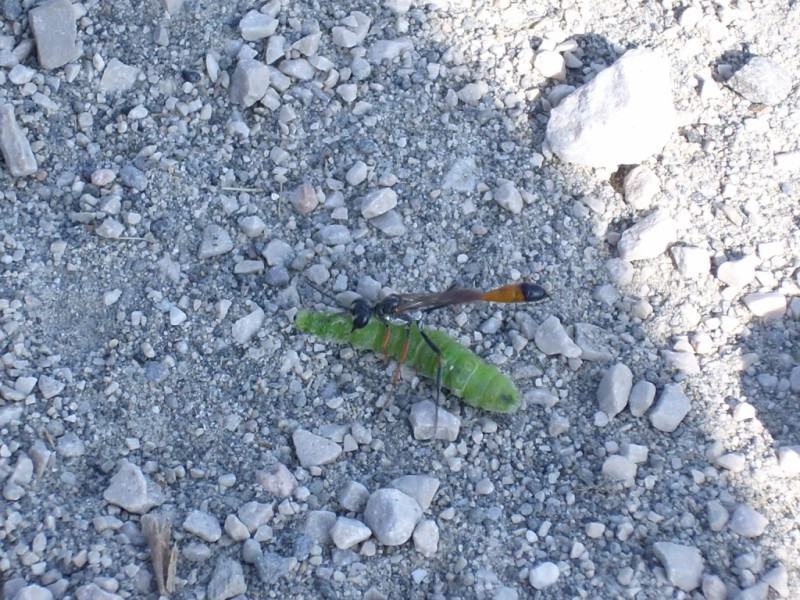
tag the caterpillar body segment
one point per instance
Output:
(467, 376)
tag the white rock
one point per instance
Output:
(313, 450)
(426, 537)
(789, 460)
(641, 397)
(352, 31)
(778, 580)
(257, 26)
(683, 564)
(543, 575)
(249, 82)
(770, 305)
(747, 522)
(507, 196)
(623, 116)
(550, 64)
(216, 242)
(392, 516)
(420, 487)
(423, 419)
(641, 185)
(672, 406)
(614, 389)
(619, 468)
(245, 328)
(648, 238)
(473, 92)
(131, 490)
(738, 273)
(203, 525)
(388, 50)
(692, 262)
(378, 202)
(551, 338)
(297, 68)
(347, 532)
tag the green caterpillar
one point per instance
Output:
(479, 384)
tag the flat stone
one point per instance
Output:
(55, 31)
(392, 516)
(672, 406)
(14, 145)
(683, 564)
(649, 237)
(314, 450)
(118, 77)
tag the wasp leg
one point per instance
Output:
(439, 367)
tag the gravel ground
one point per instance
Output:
(156, 245)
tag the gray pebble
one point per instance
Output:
(392, 516)
(353, 496)
(685, 362)
(462, 176)
(508, 197)
(422, 419)
(388, 50)
(255, 514)
(426, 537)
(70, 446)
(203, 525)
(278, 253)
(110, 229)
(357, 174)
(378, 202)
(249, 82)
(614, 388)
(297, 68)
(551, 338)
(334, 235)
(14, 145)
(672, 406)
(641, 185)
(245, 328)
(271, 566)
(276, 479)
(594, 342)
(352, 30)
(390, 223)
(692, 262)
(717, 515)
(276, 276)
(216, 242)
(747, 522)
(131, 490)
(55, 30)
(49, 387)
(133, 177)
(304, 198)
(683, 564)
(347, 532)
(769, 305)
(649, 237)
(257, 26)
(641, 397)
(227, 580)
(789, 459)
(619, 468)
(420, 487)
(319, 524)
(313, 450)
(620, 271)
(543, 575)
(762, 81)
(738, 273)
